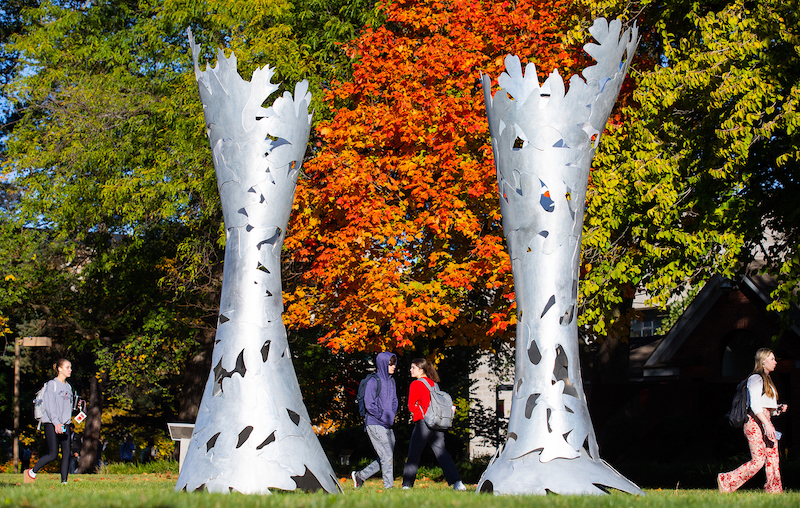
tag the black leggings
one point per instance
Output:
(53, 441)
(421, 436)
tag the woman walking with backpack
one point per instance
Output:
(419, 398)
(758, 429)
(57, 405)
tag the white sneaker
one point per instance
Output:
(459, 485)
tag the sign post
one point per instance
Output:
(181, 432)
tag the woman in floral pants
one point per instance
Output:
(758, 429)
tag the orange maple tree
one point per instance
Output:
(396, 227)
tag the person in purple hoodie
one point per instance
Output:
(381, 409)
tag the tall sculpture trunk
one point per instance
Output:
(253, 432)
(543, 142)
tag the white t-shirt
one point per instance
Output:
(758, 399)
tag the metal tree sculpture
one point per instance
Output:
(253, 432)
(543, 142)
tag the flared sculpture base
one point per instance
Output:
(253, 433)
(250, 472)
(528, 475)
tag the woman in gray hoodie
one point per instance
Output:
(381, 407)
(57, 404)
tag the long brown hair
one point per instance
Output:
(427, 368)
(769, 387)
(59, 363)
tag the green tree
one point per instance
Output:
(699, 177)
(32, 286)
(109, 155)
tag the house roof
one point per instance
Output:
(690, 318)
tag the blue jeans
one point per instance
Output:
(421, 436)
(382, 440)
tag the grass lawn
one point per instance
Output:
(156, 490)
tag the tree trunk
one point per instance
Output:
(91, 447)
(253, 432)
(544, 141)
(194, 373)
(612, 360)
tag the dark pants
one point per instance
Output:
(53, 440)
(421, 436)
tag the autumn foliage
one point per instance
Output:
(396, 226)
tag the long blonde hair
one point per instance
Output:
(769, 387)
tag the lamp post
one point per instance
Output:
(28, 342)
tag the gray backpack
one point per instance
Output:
(38, 401)
(439, 415)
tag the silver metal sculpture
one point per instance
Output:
(543, 142)
(253, 432)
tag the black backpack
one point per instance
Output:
(740, 405)
(362, 388)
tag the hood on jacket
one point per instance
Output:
(382, 364)
(381, 406)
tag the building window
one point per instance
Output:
(647, 326)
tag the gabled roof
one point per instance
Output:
(688, 321)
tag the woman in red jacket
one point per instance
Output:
(419, 397)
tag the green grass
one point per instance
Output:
(156, 490)
(137, 468)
